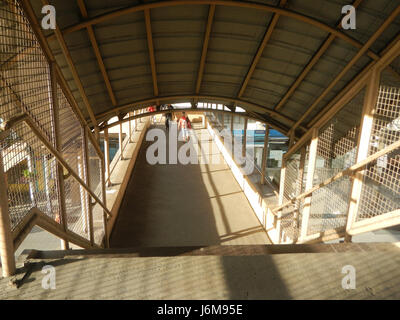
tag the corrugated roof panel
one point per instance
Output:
(330, 12)
(219, 89)
(370, 16)
(388, 35)
(234, 42)
(178, 35)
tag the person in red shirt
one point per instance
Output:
(183, 126)
(152, 109)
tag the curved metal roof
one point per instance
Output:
(273, 58)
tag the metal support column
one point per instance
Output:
(299, 188)
(364, 138)
(58, 145)
(103, 190)
(309, 183)
(265, 155)
(6, 241)
(135, 121)
(244, 137)
(120, 140)
(107, 157)
(88, 183)
(130, 128)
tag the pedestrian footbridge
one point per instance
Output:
(291, 174)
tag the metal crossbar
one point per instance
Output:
(347, 172)
(25, 118)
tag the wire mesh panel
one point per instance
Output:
(290, 223)
(294, 184)
(291, 188)
(70, 132)
(337, 140)
(329, 206)
(31, 170)
(31, 175)
(95, 170)
(24, 71)
(98, 224)
(381, 183)
(336, 151)
(76, 198)
(77, 204)
(95, 176)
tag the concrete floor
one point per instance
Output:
(261, 276)
(185, 205)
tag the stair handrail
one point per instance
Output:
(24, 117)
(36, 217)
(347, 172)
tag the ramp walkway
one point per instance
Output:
(185, 205)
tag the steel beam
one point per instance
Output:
(97, 53)
(211, 13)
(150, 46)
(260, 50)
(324, 47)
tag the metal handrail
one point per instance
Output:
(8, 125)
(347, 172)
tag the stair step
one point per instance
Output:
(218, 250)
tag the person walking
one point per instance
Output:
(168, 117)
(189, 128)
(151, 109)
(183, 126)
